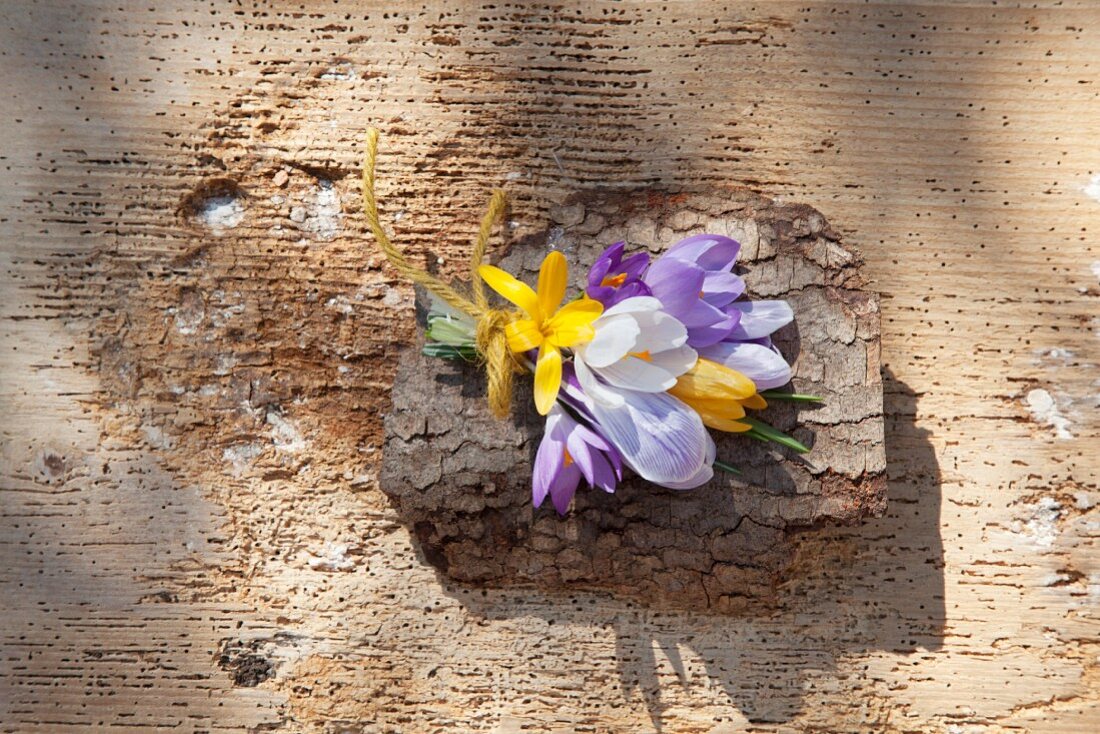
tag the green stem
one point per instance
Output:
(727, 468)
(792, 396)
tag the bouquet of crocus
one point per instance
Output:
(632, 371)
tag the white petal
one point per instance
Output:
(633, 373)
(659, 331)
(632, 305)
(677, 361)
(615, 337)
(659, 437)
(762, 365)
(760, 318)
(593, 388)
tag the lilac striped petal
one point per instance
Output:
(705, 473)
(659, 437)
(764, 366)
(759, 318)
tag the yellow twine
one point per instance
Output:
(491, 342)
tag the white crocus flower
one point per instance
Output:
(636, 346)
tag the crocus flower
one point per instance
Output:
(694, 282)
(613, 279)
(568, 452)
(660, 438)
(748, 348)
(719, 395)
(546, 327)
(635, 346)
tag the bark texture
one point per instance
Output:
(461, 479)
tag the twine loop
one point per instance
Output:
(491, 340)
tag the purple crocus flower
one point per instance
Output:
(569, 451)
(694, 282)
(613, 279)
(748, 348)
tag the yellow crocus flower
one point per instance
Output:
(546, 327)
(719, 395)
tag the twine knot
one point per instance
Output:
(492, 344)
(491, 340)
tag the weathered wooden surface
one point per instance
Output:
(192, 387)
(461, 479)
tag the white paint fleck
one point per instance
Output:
(224, 364)
(284, 434)
(157, 438)
(221, 212)
(326, 217)
(1041, 529)
(1084, 500)
(341, 304)
(240, 456)
(1095, 267)
(298, 215)
(340, 73)
(1053, 579)
(333, 557)
(393, 297)
(1092, 188)
(1045, 409)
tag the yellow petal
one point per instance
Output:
(756, 402)
(572, 324)
(515, 291)
(547, 377)
(552, 281)
(727, 409)
(722, 424)
(523, 335)
(709, 380)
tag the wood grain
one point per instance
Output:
(198, 340)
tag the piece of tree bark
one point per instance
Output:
(461, 479)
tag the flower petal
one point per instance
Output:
(593, 388)
(552, 280)
(572, 324)
(632, 373)
(615, 337)
(705, 473)
(677, 361)
(759, 318)
(523, 335)
(709, 251)
(547, 377)
(564, 487)
(513, 290)
(721, 288)
(763, 365)
(659, 331)
(659, 437)
(633, 305)
(676, 284)
(549, 458)
(710, 380)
